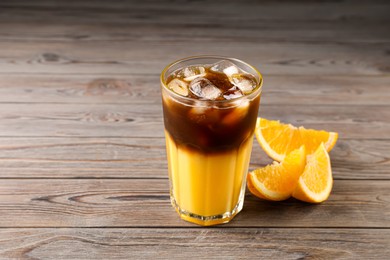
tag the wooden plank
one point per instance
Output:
(145, 158)
(81, 120)
(296, 22)
(113, 25)
(74, 29)
(145, 203)
(134, 42)
(222, 10)
(125, 89)
(146, 120)
(201, 243)
(83, 158)
(85, 89)
(127, 57)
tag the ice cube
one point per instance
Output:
(232, 93)
(237, 114)
(245, 82)
(178, 86)
(204, 114)
(225, 66)
(204, 89)
(197, 114)
(191, 73)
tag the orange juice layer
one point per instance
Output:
(207, 184)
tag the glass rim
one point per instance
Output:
(255, 93)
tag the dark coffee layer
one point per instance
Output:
(210, 129)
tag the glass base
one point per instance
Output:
(208, 220)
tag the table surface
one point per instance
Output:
(82, 153)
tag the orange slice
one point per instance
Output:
(315, 183)
(278, 180)
(278, 139)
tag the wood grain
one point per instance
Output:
(217, 243)
(129, 57)
(144, 89)
(153, 9)
(145, 203)
(137, 120)
(145, 158)
(94, 38)
(333, 23)
(346, 30)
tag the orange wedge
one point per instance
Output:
(315, 183)
(278, 139)
(277, 181)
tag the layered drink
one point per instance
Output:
(210, 107)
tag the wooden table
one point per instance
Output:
(82, 154)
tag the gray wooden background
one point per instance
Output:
(83, 171)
